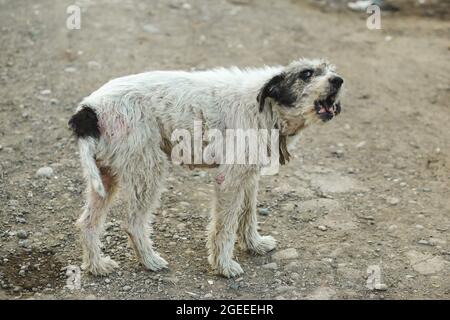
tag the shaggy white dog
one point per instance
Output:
(125, 129)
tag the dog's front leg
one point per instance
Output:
(222, 230)
(249, 237)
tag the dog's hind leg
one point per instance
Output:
(91, 225)
(249, 238)
(143, 188)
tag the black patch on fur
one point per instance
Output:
(84, 123)
(279, 89)
(305, 75)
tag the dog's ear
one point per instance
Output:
(270, 89)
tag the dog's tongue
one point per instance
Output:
(322, 109)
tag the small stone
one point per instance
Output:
(338, 153)
(392, 227)
(70, 69)
(322, 228)
(283, 289)
(270, 266)
(393, 201)
(424, 242)
(186, 6)
(170, 280)
(426, 264)
(181, 226)
(208, 296)
(46, 172)
(211, 282)
(419, 226)
(234, 286)
(263, 211)
(380, 287)
(150, 28)
(126, 288)
(46, 92)
(286, 254)
(361, 144)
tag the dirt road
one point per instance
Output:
(367, 192)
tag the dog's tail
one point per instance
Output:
(84, 124)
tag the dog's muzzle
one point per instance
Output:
(328, 107)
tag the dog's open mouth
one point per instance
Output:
(327, 108)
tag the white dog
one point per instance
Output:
(124, 132)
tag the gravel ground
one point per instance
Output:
(366, 192)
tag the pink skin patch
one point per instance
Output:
(119, 127)
(220, 178)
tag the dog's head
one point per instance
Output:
(304, 92)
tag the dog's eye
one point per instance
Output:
(306, 74)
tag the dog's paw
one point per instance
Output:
(101, 266)
(230, 269)
(263, 245)
(154, 262)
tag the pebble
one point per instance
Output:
(286, 254)
(380, 287)
(44, 172)
(263, 211)
(151, 28)
(392, 227)
(292, 266)
(181, 226)
(424, 242)
(46, 92)
(22, 234)
(338, 153)
(322, 228)
(270, 266)
(393, 201)
(70, 69)
(361, 144)
(126, 288)
(170, 280)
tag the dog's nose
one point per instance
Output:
(336, 82)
